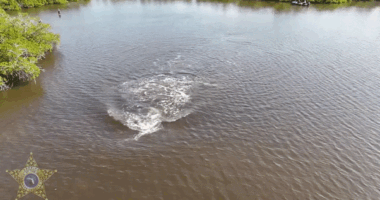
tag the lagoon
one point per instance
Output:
(200, 100)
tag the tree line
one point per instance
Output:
(23, 41)
(18, 4)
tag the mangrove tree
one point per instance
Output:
(23, 41)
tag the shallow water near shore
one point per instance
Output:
(200, 100)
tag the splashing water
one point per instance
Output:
(147, 102)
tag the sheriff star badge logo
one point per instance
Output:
(31, 179)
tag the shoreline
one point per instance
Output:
(285, 5)
(28, 39)
(23, 65)
(24, 42)
(17, 5)
(315, 2)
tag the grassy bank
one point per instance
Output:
(258, 2)
(286, 6)
(23, 41)
(18, 4)
(330, 1)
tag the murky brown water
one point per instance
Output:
(155, 100)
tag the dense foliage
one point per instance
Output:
(23, 41)
(263, 3)
(18, 4)
(325, 1)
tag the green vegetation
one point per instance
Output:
(278, 6)
(271, 3)
(324, 1)
(23, 41)
(18, 4)
(285, 6)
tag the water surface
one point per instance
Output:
(189, 100)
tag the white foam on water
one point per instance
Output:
(148, 102)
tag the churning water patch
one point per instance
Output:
(144, 104)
